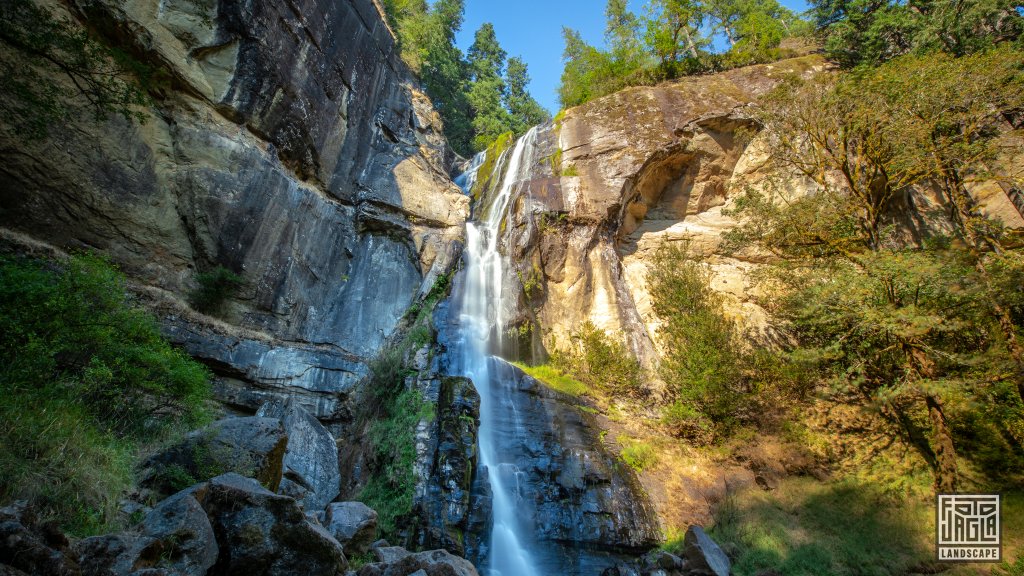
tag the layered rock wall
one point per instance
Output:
(291, 146)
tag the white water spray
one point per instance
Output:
(481, 319)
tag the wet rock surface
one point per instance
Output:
(447, 465)
(584, 509)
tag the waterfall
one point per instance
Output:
(482, 323)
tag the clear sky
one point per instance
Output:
(532, 29)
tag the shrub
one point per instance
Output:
(213, 290)
(85, 381)
(600, 362)
(637, 454)
(702, 366)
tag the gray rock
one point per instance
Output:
(27, 546)
(174, 538)
(292, 147)
(311, 472)
(253, 447)
(262, 533)
(703, 555)
(401, 562)
(447, 464)
(181, 524)
(354, 524)
(390, 554)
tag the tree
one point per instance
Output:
(106, 81)
(874, 31)
(896, 324)
(622, 34)
(444, 72)
(487, 91)
(524, 109)
(673, 32)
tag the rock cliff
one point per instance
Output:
(290, 146)
(620, 176)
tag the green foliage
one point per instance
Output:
(921, 334)
(44, 45)
(214, 288)
(637, 454)
(869, 32)
(390, 490)
(555, 379)
(86, 379)
(670, 41)
(524, 110)
(600, 362)
(705, 383)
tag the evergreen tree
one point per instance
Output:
(445, 73)
(524, 109)
(487, 92)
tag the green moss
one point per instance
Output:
(555, 160)
(558, 121)
(555, 379)
(486, 178)
(571, 171)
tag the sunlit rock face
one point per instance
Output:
(289, 145)
(614, 179)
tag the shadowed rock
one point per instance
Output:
(354, 524)
(253, 447)
(311, 459)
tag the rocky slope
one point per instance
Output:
(291, 147)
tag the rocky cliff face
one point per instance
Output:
(292, 147)
(621, 176)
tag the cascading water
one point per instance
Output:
(481, 325)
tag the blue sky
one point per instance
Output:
(532, 29)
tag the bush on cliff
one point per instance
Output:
(85, 380)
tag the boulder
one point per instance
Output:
(354, 524)
(253, 447)
(262, 533)
(27, 546)
(311, 472)
(395, 561)
(181, 524)
(174, 538)
(390, 554)
(703, 555)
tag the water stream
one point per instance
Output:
(481, 322)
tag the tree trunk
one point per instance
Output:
(945, 454)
